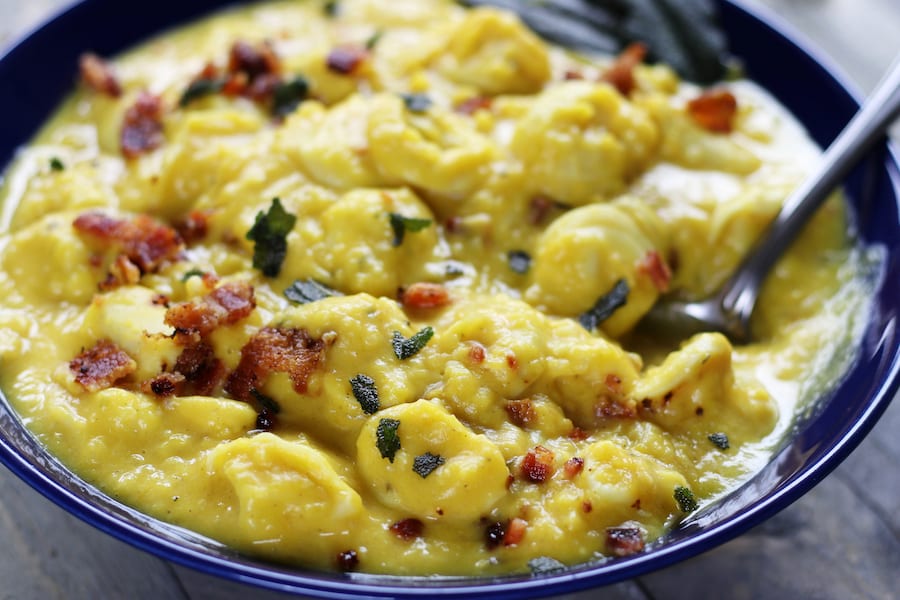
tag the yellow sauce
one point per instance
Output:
(626, 419)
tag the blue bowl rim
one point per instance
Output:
(39, 473)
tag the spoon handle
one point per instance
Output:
(868, 126)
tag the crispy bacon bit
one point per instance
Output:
(236, 84)
(425, 295)
(160, 300)
(348, 560)
(521, 412)
(473, 105)
(714, 110)
(613, 383)
(537, 465)
(275, 349)
(572, 75)
(163, 385)
(253, 61)
(454, 224)
(99, 75)
(609, 408)
(142, 128)
(144, 241)
(200, 368)
(624, 541)
(193, 227)
(573, 466)
(262, 87)
(586, 506)
(408, 529)
(636, 505)
(494, 534)
(346, 60)
(578, 434)
(512, 362)
(225, 305)
(539, 208)
(101, 366)
(656, 269)
(121, 272)
(621, 72)
(476, 353)
(515, 531)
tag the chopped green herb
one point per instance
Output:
(386, 438)
(401, 225)
(424, 464)
(543, 565)
(265, 401)
(192, 273)
(685, 499)
(719, 439)
(373, 41)
(304, 291)
(605, 306)
(519, 261)
(200, 88)
(366, 393)
(288, 95)
(56, 164)
(417, 103)
(269, 233)
(404, 348)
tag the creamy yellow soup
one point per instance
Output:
(358, 289)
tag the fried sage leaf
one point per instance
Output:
(304, 291)
(407, 347)
(269, 233)
(386, 438)
(605, 306)
(366, 393)
(425, 464)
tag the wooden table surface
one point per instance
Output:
(840, 541)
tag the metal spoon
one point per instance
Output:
(730, 309)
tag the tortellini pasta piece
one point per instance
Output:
(441, 469)
(581, 141)
(585, 252)
(357, 330)
(434, 149)
(289, 491)
(495, 53)
(48, 260)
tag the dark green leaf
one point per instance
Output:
(424, 464)
(269, 233)
(56, 164)
(605, 306)
(685, 499)
(682, 33)
(304, 291)
(270, 404)
(330, 8)
(386, 438)
(543, 565)
(401, 225)
(404, 348)
(417, 103)
(373, 41)
(366, 393)
(200, 88)
(519, 261)
(288, 95)
(720, 440)
(192, 273)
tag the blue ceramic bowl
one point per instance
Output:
(40, 70)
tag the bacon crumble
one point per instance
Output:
(408, 529)
(714, 110)
(163, 385)
(621, 73)
(225, 305)
(515, 531)
(99, 75)
(200, 367)
(346, 60)
(537, 466)
(275, 349)
(144, 241)
(142, 128)
(624, 541)
(425, 295)
(473, 105)
(101, 366)
(573, 466)
(521, 412)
